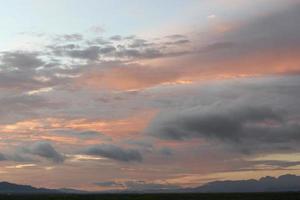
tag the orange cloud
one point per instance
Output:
(114, 128)
(195, 67)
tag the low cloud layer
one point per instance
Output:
(138, 185)
(45, 150)
(34, 153)
(115, 153)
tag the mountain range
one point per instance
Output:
(284, 183)
(11, 188)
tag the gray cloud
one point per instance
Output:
(91, 53)
(71, 37)
(32, 152)
(107, 49)
(119, 48)
(276, 163)
(176, 36)
(45, 150)
(98, 41)
(19, 80)
(178, 42)
(115, 153)
(139, 43)
(166, 151)
(82, 134)
(2, 157)
(89, 134)
(20, 60)
(116, 37)
(216, 46)
(23, 71)
(220, 123)
(109, 184)
(20, 156)
(136, 53)
(19, 107)
(245, 116)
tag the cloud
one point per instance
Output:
(119, 76)
(20, 60)
(116, 37)
(247, 116)
(23, 71)
(216, 46)
(139, 43)
(275, 163)
(118, 48)
(246, 119)
(166, 151)
(70, 37)
(251, 48)
(18, 155)
(109, 184)
(114, 152)
(90, 53)
(83, 135)
(2, 157)
(219, 122)
(176, 36)
(148, 186)
(45, 150)
(19, 107)
(138, 185)
(32, 152)
(183, 41)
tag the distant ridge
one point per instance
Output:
(284, 183)
(7, 188)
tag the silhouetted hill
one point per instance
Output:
(285, 183)
(6, 188)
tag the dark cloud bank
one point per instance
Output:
(33, 152)
(114, 152)
(251, 116)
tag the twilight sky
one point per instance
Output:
(114, 94)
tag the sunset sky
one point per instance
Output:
(148, 94)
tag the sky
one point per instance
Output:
(114, 94)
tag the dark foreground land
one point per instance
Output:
(244, 196)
